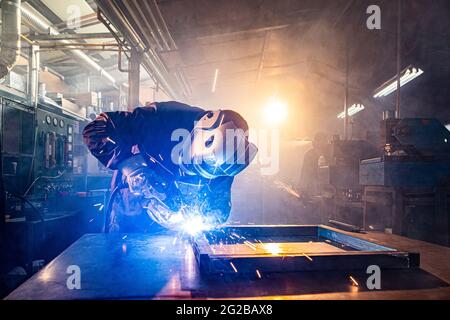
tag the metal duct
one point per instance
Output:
(151, 61)
(45, 28)
(10, 47)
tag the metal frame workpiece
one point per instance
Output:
(359, 254)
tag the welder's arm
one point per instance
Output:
(111, 136)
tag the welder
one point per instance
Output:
(174, 165)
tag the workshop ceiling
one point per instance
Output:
(295, 49)
(298, 49)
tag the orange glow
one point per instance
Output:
(45, 275)
(273, 248)
(275, 111)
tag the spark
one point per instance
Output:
(101, 207)
(234, 268)
(354, 282)
(110, 140)
(236, 235)
(306, 256)
(160, 156)
(124, 237)
(289, 189)
(250, 245)
(91, 220)
(97, 204)
(258, 273)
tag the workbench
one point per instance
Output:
(163, 266)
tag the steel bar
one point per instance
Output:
(134, 79)
(70, 36)
(151, 63)
(399, 61)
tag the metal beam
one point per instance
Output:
(263, 54)
(33, 75)
(151, 61)
(134, 79)
(76, 36)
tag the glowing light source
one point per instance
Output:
(216, 75)
(390, 86)
(45, 275)
(272, 248)
(195, 225)
(275, 111)
(354, 109)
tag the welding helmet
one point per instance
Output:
(217, 146)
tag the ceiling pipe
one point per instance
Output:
(158, 27)
(142, 18)
(10, 46)
(44, 27)
(151, 62)
(164, 26)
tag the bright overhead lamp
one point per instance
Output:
(275, 111)
(354, 109)
(390, 86)
(216, 75)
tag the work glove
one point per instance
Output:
(150, 181)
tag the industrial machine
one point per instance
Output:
(416, 155)
(49, 189)
(39, 150)
(339, 180)
(409, 183)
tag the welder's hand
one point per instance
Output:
(137, 181)
(163, 190)
(150, 181)
(150, 185)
